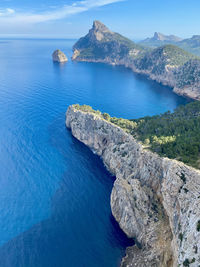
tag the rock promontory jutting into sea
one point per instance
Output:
(156, 200)
(59, 56)
(169, 64)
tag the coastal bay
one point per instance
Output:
(55, 194)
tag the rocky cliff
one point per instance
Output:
(155, 200)
(164, 64)
(103, 45)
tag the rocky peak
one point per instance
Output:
(101, 44)
(100, 27)
(99, 30)
(159, 36)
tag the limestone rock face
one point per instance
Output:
(155, 200)
(59, 56)
(99, 30)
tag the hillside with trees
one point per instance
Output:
(173, 134)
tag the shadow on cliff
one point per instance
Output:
(80, 230)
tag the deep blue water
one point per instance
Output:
(54, 193)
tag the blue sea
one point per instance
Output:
(54, 192)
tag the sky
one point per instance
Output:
(136, 19)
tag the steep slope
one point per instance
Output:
(188, 79)
(160, 64)
(155, 200)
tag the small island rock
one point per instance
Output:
(59, 56)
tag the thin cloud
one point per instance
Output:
(12, 16)
(6, 12)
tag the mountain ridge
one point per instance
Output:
(163, 38)
(191, 45)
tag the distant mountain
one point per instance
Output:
(160, 39)
(167, 64)
(191, 45)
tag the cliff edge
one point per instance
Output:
(155, 200)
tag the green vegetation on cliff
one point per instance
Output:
(188, 74)
(174, 135)
(175, 55)
(157, 60)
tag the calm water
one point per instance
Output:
(54, 193)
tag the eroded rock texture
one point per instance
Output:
(155, 200)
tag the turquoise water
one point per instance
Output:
(54, 193)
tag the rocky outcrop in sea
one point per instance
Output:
(59, 56)
(155, 200)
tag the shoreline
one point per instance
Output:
(186, 93)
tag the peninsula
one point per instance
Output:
(169, 64)
(155, 200)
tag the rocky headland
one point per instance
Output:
(59, 56)
(168, 64)
(155, 200)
